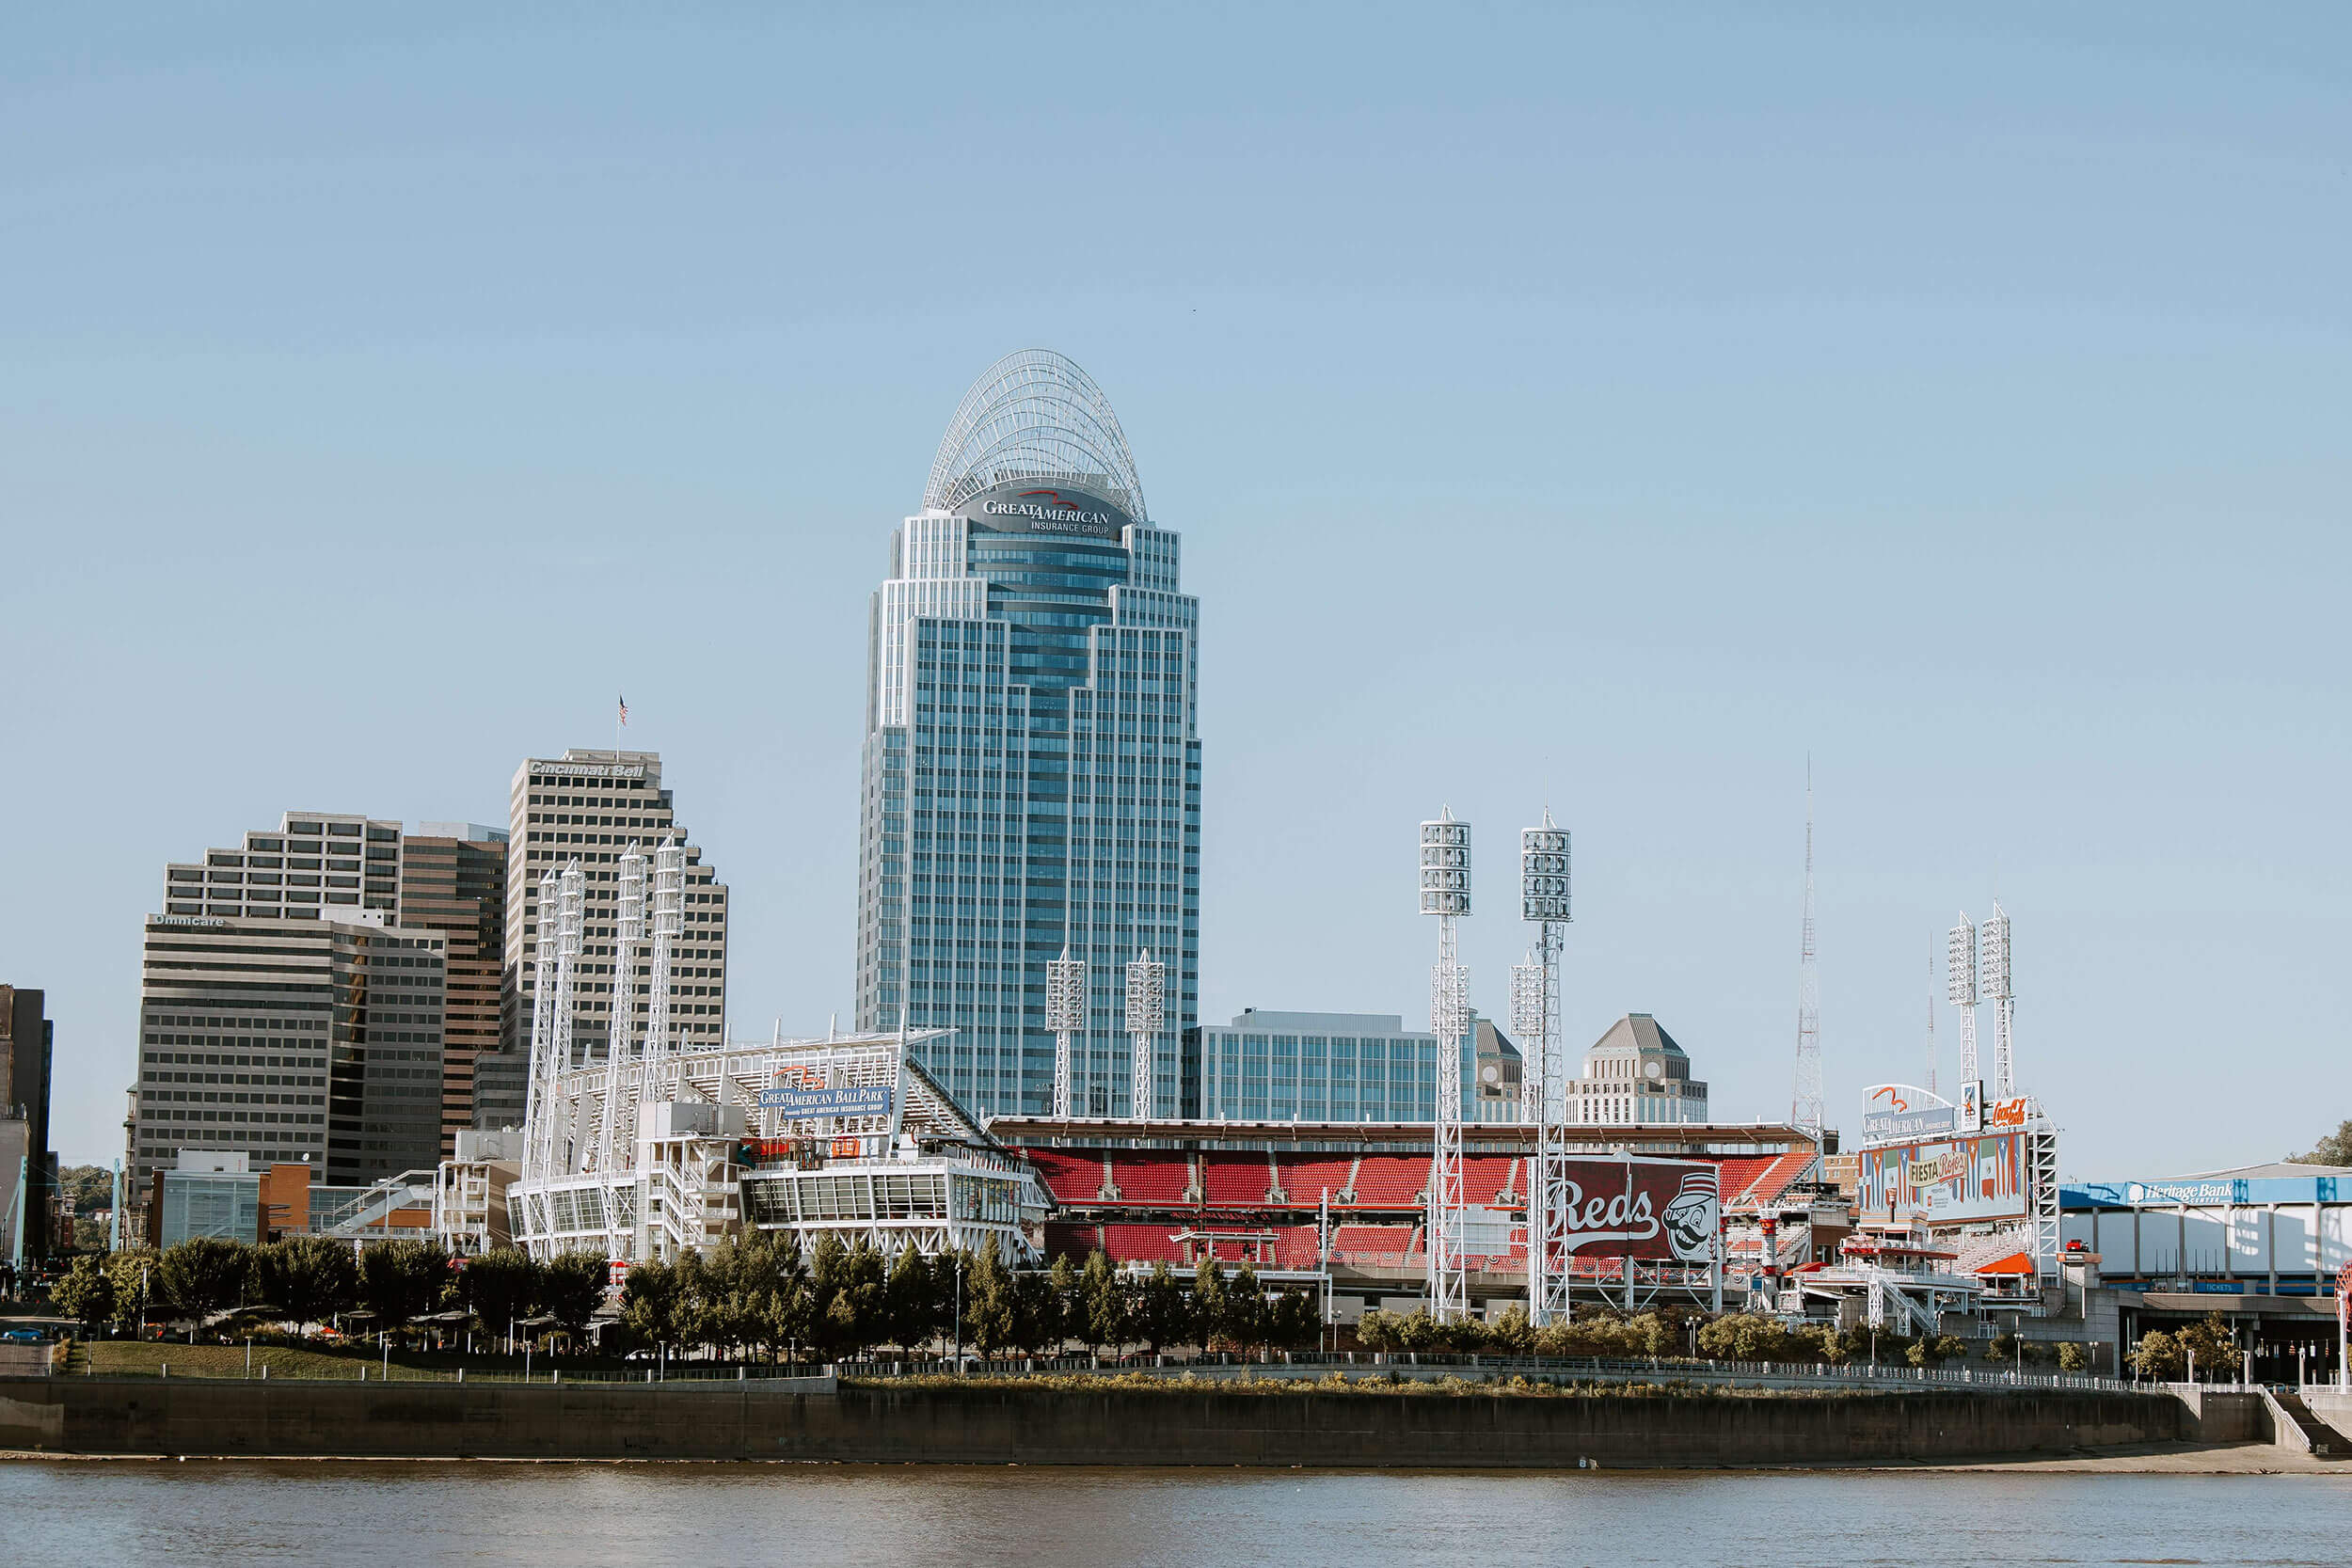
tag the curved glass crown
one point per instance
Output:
(1034, 415)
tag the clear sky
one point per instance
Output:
(1604, 408)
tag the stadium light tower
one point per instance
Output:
(604, 1147)
(1806, 1110)
(1065, 1015)
(1147, 1015)
(1959, 988)
(558, 958)
(1535, 1014)
(1445, 891)
(1994, 986)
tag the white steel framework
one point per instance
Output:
(550, 1135)
(1959, 988)
(1147, 1015)
(1065, 1015)
(1445, 891)
(1806, 1110)
(1034, 414)
(1536, 1013)
(669, 923)
(1994, 986)
(1931, 1051)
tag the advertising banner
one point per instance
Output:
(863, 1100)
(1660, 1210)
(1945, 1180)
(1894, 1111)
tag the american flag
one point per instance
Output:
(624, 710)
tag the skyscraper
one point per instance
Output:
(1031, 769)
(452, 880)
(285, 1012)
(588, 805)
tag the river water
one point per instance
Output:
(100, 1514)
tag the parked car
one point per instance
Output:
(24, 1337)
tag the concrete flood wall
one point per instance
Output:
(989, 1424)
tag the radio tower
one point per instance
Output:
(1959, 988)
(1805, 1109)
(1445, 891)
(1535, 1014)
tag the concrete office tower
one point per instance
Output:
(586, 806)
(287, 1039)
(452, 880)
(28, 1045)
(1635, 1073)
(311, 864)
(1031, 771)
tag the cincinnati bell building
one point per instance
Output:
(1032, 772)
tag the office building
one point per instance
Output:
(1635, 1073)
(310, 864)
(452, 880)
(287, 1039)
(27, 1049)
(589, 806)
(1031, 773)
(1317, 1066)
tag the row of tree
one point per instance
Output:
(306, 1280)
(1734, 1336)
(842, 1300)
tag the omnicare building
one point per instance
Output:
(1032, 772)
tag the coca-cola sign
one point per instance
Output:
(1651, 1209)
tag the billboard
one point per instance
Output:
(1895, 1111)
(862, 1100)
(1662, 1210)
(1951, 1180)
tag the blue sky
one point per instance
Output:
(1591, 408)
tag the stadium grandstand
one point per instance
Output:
(1346, 1199)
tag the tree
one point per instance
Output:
(2003, 1348)
(499, 1287)
(572, 1286)
(909, 1301)
(1510, 1333)
(1068, 1303)
(307, 1278)
(86, 1293)
(1107, 1307)
(1208, 1303)
(2334, 1149)
(2073, 1357)
(988, 1303)
(2158, 1355)
(202, 1274)
(133, 1272)
(2213, 1343)
(1162, 1309)
(1036, 1312)
(401, 1280)
(1376, 1330)
(1246, 1309)
(650, 1302)
(1294, 1321)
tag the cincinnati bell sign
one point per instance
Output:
(1034, 510)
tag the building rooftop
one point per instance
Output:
(1321, 1023)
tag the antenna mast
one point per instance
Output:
(1931, 1051)
(1805, 1109)
(1445, 891)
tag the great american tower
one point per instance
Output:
(1031, 769)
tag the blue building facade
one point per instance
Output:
(1318, 1067)
(1032, 770)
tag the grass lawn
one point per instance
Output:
(185, 1360)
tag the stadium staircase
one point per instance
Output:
(2321, 1439)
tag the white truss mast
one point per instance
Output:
(1960, 986)
(1147, 1015)
(669, 923)
(1535, 1015)
(1445, 891)
(1065, 1015)
(549, 1138)
(1993, 985)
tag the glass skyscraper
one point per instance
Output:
(1032, 771)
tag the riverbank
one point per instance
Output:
(946, 1422)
